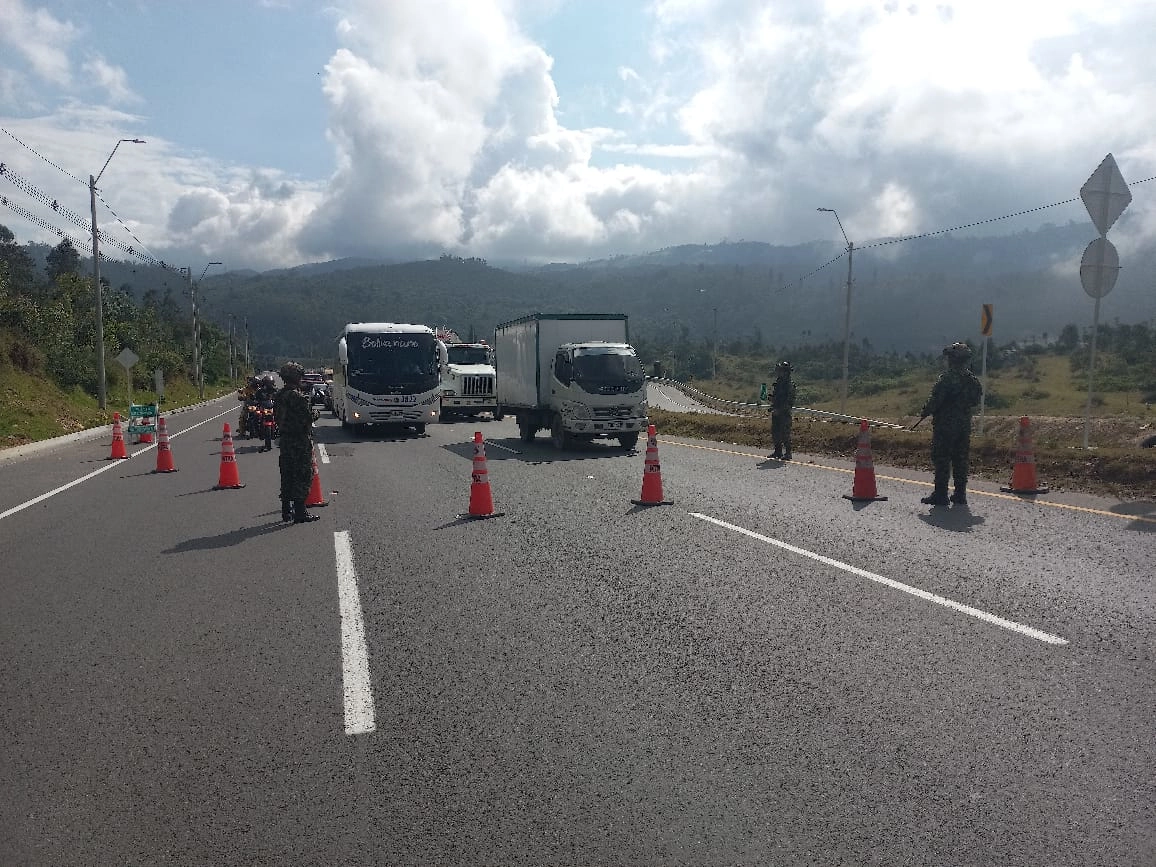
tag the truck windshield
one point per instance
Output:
(607, 371)
(468, 354)
(393, 363)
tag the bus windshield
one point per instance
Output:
(393, 363)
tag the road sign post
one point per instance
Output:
(985, 322)
(127, 359)
(1105, 194)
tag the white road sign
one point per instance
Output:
(1105, 195)
(1099, 267)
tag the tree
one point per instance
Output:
(63, 259)
(17, 262)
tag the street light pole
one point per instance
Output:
(101, 380)
(846, 314)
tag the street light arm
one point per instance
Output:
(111, 155)
(837, 220)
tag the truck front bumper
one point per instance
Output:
(609, 426)
(482, 404)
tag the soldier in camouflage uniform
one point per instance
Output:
(782, 404)
(295, 420)
(953, 400)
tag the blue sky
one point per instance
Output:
(282, 131)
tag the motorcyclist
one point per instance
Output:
(246, 395)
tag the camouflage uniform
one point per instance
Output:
(782, 402)
(295, 421)
(953, 399)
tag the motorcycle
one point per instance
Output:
(268, 425)
(251, 427)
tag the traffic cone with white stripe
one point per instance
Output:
(164, 453)
(863, 490)
(1023, 480)
(229, 478)
(651, 474)
(118, 449)
(481, 498)
(316, 498)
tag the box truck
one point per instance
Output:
(574, 374)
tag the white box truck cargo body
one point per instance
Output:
(573, 374)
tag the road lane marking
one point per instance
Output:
(359, 719)
(894, 585)
(8, 513)
(324, 454)
(1088, 510)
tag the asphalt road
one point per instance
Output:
(761, 673)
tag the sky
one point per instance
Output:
(279, 132)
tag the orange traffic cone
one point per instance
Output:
(316, 498)
(118, 449)
(229, 477)
(481, 499)
(164, 453)
(147, 436)
(863, 489)
(1023, 480)
(651, 474)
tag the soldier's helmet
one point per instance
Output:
(784, 367)
(957, 353)
(292, 372)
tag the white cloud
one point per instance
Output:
(40, 39)
(111, 79)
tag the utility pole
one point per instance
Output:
(232, 348)
(714, 353)
(101, 381)
(248, 367)
(196, 332)
(847, 312)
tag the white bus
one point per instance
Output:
(388, 374)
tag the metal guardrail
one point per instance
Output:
(751, 409)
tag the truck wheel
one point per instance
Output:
(628, 440)
(526, 431)
(420, 428)
(446, 417)
(558, 435)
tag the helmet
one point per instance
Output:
(292, 372)
(784, 366)
(957, 352)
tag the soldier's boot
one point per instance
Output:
(787, 451)
(286, 510)
(300, 516)
(777, 454)
(960, 495)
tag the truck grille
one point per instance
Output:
(477, 386)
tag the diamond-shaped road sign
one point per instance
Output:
(127, 358)
(1105, 195)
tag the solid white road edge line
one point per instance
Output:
(359, 719)
(324, 454)
(894, 585)
(95, 473)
